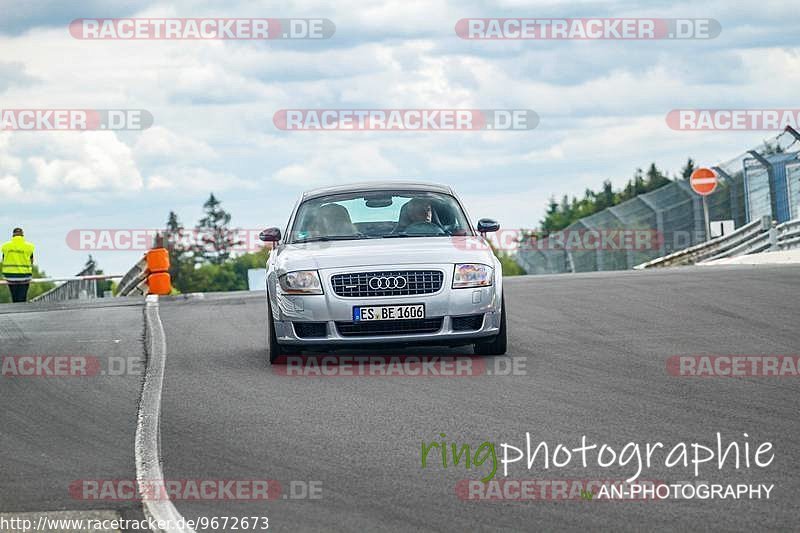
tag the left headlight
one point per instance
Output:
(472, 275)
(301, 282)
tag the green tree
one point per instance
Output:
(509, 266)
(606, 197)
(209, 264)
(216, 238)
(772, 148)
(173, 238)
(655, 178)
(688, 168)
(560, 215)
(228, 276)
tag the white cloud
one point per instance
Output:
(194, 178)
(96, 161)
(8, 162)
(349, 164)
(158, 143)
(10, 185)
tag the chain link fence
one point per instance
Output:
(758, 182)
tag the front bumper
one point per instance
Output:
(329, 308)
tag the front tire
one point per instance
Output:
(495, 345)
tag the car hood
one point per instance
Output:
(395, 251)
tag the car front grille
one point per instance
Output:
(466, 323)
(389, 327)
(387, 283)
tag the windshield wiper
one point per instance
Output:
(322, 238)
(395, 235)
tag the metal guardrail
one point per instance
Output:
(784, 236)
(79, 289)
(83, 286)
(99, 277)
(134, 282)
(759, 243)
(756, 237)
(736, 243)
(787, 235)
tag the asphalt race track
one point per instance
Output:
(591, 351)
(58, 430)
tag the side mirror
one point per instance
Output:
(270, 235)
(487, 225)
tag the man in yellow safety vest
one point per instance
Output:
(18, 265)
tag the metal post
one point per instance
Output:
(773, 196)
(662, 245)
(662, 251)
(705, 217)
(793, 132)
(734, 195)
(697, 208)
(773, 237)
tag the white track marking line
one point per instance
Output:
(147, 450)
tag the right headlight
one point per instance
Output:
(472, 275)
(301, 282)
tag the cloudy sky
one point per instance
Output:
(602, 107)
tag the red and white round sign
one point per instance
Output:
(703, 181)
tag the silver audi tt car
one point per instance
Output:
(383, 263)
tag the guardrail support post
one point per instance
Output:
(773, 237)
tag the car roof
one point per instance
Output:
(367, 186)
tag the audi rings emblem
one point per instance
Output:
(387, 282)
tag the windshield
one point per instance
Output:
(378, 215)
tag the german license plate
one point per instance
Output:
(388, 312)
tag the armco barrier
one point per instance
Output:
(735, 243)
(149, 276)
(784, 236)
(787, 235)
(134, 282)
(757, 237)
(78, 289)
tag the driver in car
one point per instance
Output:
(417, 217)
(419, 210)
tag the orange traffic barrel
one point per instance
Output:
(157, 260)
(159, 283)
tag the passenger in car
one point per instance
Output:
(334, 220)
